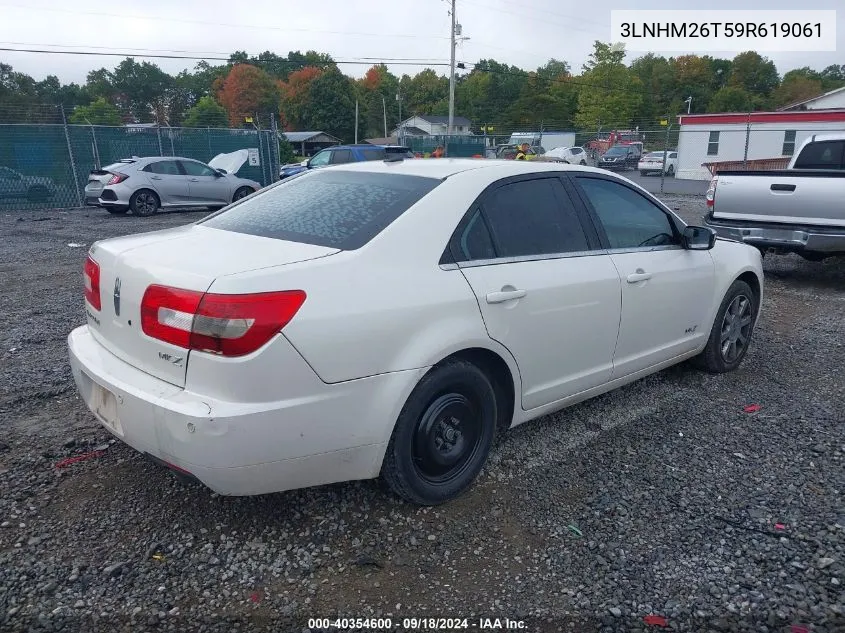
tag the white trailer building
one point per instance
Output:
(709, 138)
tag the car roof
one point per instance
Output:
(445, 167)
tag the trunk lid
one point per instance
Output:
(190, 258)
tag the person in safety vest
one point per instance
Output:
(522, 154)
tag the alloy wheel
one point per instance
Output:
(736, 329)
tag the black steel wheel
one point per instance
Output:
(443, 435)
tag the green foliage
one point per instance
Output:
(731, 99)
(331, 106)
(287, 154)
(206, 113)
(756, 74)
(99, 112)
(610, 93)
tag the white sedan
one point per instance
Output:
(652, 163)
(389, 318)
(571, 155)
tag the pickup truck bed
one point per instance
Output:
(798, 210)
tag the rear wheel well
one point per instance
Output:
(499, 374)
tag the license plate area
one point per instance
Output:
(103, 403)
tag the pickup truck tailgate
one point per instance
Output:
(784, 196)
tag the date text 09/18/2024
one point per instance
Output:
(418, 624)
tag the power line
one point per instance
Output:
(365, 61)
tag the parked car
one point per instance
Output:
(794, 210)
(341, 154)
(143, 185)
(652, 163)
(620, 157)
(509, 152)
(15, 185)
(389, 318)
(571, 155)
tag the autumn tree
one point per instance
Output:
(295, 95)
(377, 98)
(246, 91)
(797, 85)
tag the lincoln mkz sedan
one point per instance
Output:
(387, 319)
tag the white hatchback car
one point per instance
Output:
(388, 318)
(143, 185)
(571, 155)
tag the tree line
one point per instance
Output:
(308, 91)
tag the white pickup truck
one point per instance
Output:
(800, 209)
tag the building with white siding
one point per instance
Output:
(709, 138)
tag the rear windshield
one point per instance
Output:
(334, 208)
(114, 166)
(822, 155)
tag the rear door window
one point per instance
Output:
(193, 168)
(822, 155)
(338, 209)
(165, 167)
(534, 217)
(340, 156)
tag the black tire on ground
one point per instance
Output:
(671, 171)
(37, 193)
(731, 332)
(643, 173)
(144, 202)
(242, 192)
(115, 211)
(443, 434)
(583, 162)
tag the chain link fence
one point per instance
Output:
(47, 165)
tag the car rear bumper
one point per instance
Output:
(330, 433)
(782, 237)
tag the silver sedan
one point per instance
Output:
(143, 185)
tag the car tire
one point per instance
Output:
(144, 202)
(728, 343)
(38, 193)
(643, 173)
(583, 162)
(241, 192)
(443, 435)
(671, 171)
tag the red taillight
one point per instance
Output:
(710, 196)
(91, 275)
(116, 179)
(229, 325)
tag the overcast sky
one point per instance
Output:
(525, 33)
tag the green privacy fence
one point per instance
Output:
(45, 166)
(456, 145)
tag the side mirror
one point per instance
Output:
(699, 238)
(219, 172)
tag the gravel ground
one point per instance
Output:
(664, 498)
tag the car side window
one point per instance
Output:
(193, 168)
(629, 219)
(533, 217)
(321, 158)
(473, 242)
(165, 167)
(341, 156)
(673, 155)
(373, 154)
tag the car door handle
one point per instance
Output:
(640, 275)
(155, 177)
(505, 295)
(782, 187)
(194, 179)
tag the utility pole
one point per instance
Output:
(356, 121)
(452, 75)
(384, 109)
